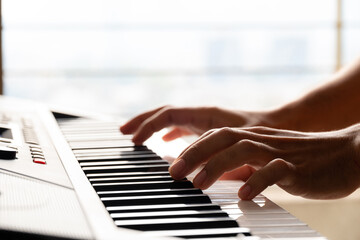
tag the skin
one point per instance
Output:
(302, 162)
(312, 143)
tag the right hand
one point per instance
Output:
(317, 165)
(187, 121)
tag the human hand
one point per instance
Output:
(187, 121)
(322, 165)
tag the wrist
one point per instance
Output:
(284, 117)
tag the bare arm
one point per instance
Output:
(332, 106)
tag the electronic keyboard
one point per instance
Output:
(75, 176)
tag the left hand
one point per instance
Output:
(323, 165)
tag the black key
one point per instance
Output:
(100, 141)
(169, 214)
(164, 207)
(152, 200)
(126, 157)
(127, 168)
(121, 163)
(127, 174)
(177, 223)
(149, 192)
(202, 233)
(131, 179)
(113, 153)
(115, 149)
(142, 185)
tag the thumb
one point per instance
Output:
(175, 133)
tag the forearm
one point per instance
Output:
(332, 106)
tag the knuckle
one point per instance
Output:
(166, 110)
(256, 128)
(211, 131)
(265, 128)
(248, 144)
(168, 113)
(163, 108)
(166, 107)
(227, 131)
(261, 128)
(211, 109)
(279, 163)
(282, 165)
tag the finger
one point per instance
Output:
(174, 170)
(195, 142)
(163, 118)
(242, 173)
(132, 125)
(208, 146)
(211, 144)
(201, 150)
(175, 133)
(274, 172)
(243, 152)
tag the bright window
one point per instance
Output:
(123, 57)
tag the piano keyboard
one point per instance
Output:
(136, 188)
(138, 192)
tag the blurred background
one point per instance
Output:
(126, 56)
(123, 57)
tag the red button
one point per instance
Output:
(39, 161)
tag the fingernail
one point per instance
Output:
(177, 169)
(200, 178)
(245, 192)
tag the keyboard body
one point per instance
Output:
(76, 177)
